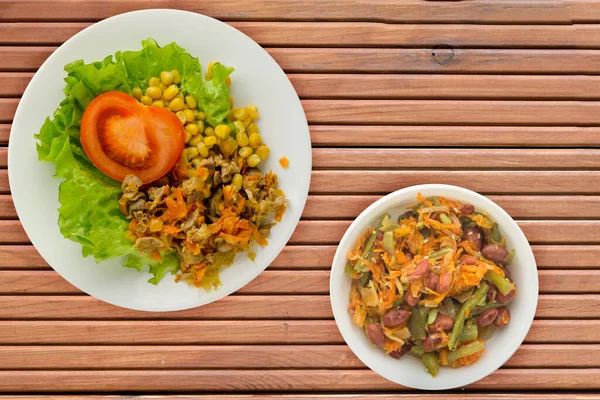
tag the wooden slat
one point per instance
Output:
(4, 133)
(360, 34)
(286, 282)
(322, 207)
(8, 108)
(481, 11)
(237, 332)
(321, 257)
(396, 396)
(249, 307)
(250, 357)
(455, 158)
(3, 157)
(321, 60)
(331, 232)
(498, 182)
(453, 136)
(274, 380)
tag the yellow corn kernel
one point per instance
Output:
(210, 141)
(146, 100)
(196, 161)
(162, 87)
(196, 140)
(166, 77)
(242, 139)
(170, 92)
(228, 81)
(222, 131)
(263, 152)
(208, 76)
(228, 146)
(284, 162)
(200, 126)
(190, 152)
(155, 225)
(247, 122)
(154, 92)
(158, 103)
(176, 105)
(137, 93)
(191, 101)
(230, 101)
(202, 149)
(245, 152)
(189, 116)
(252, 128)
(255, 140)
(239, 127)
(209, 131)
(153, 82)
(201, 116)
(240, 114)
(193, 129)
(237, 182)
(186, 107)
(181, 116)
(180, 96)
(252, 112)
(195, 112)
(188, 137)
(176, 77)
(253, 160)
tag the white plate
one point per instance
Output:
(409, 370)
(257, 80)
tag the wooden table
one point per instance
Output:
(497, 96)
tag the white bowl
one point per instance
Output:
(257, 80)
(409, 370)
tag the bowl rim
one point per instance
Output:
(339, 262)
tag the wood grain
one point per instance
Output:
(411, 396)
(273, 380)
(320, 60)
(321, 256)
(234, 307)
(359, 34)
(480, 11)
(250, 357)
(4, 133)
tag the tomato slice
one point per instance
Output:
(121, 136)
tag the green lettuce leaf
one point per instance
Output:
(89, 213)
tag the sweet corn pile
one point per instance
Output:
(215, 202)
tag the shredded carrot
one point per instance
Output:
(170, 229)
(260, 239)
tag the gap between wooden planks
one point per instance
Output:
(329, 207)
(247, 307)
(237, 332)
(410, 86)
(275, 380)
(448, 136)
(320, 396)
(252, 357)
(286, 282)
(480, 11)
(321, 256)
(355, 34)
(352, 60)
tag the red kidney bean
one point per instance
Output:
(469, 260)
(410, 300)
(487, 317)
(403, 350)
(444, 282)
(432, 342)
(505, 299)
(492, 293)
(495, 252)
(408, 255)
(442, 323)
(431, 281)
(466, 209)
(407, 215)
(396, 317)
(375, 333)
(380, 235)
(474, 235)
(507, 273)
(502, 318)
(419, 272)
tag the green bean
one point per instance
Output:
(432, 316)
(459, 322)
(388, 241)
(445, 218)
(466, 222)
(440, 253)
(504, 285)
(420, 225)
(469, 332)
(450, 307)
(417, 349)
(360, 266)
(398, 303)
(511, 255)
(465, 350)
(436, 201)
(486, 332)
(425, 232)
(496, 237)
(431, 363)
(418, 322)
(349, 269)
(364, 278)
(480, 310)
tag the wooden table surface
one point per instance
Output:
(499, 96)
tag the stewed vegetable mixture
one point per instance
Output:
(433, 283)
